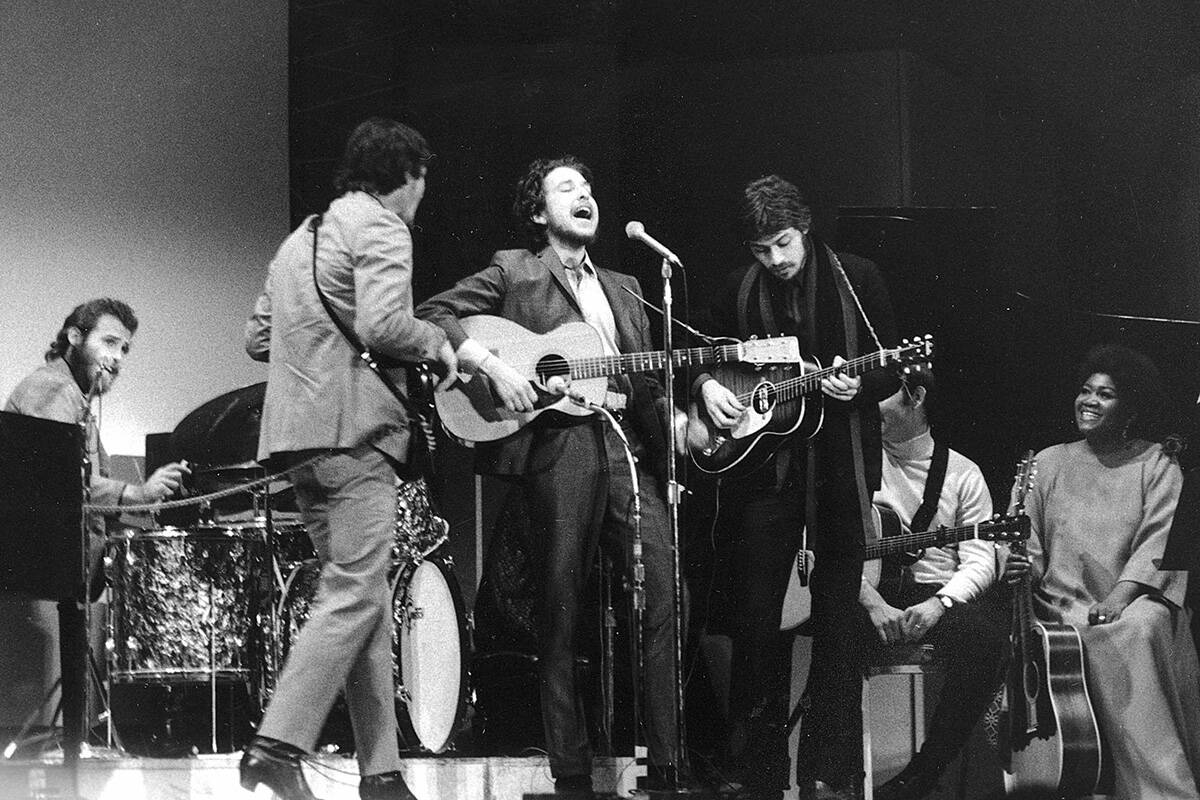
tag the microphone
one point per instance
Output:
(636, 230)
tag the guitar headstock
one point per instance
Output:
(775, 350)
(1023, 483)
(1014, 528)
(913, 354)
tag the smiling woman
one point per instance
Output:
(1100, 512)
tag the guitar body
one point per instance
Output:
(797, 601)
(471, 412)
(759, 432)
(1063, 754)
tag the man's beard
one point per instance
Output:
(88, 372)
(570, 237)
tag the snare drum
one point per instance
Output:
(188, 605)
(429, 645)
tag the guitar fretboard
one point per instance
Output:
(791, 388)
(603, 366)
(907, 542)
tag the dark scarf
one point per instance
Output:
(831, 327)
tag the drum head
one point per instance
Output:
(431, 640)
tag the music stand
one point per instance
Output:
(41, 545)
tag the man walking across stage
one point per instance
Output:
(82, 364)
(837, 306)
(323, 400)
(575, 477)
(941, 597)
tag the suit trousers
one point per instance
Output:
(348, 501)
(586, 500)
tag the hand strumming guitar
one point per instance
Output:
(514, 391)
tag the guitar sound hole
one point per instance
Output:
(763, 398)
(549, 366)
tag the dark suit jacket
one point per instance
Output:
(533, 290)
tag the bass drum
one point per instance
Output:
(431, 644)
(430, 640)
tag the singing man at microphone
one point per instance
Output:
(575, 476)
(82, 364)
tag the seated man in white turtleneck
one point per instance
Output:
(936, 599)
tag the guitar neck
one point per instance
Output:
(810, 382)
(624, 363)
(908, 542)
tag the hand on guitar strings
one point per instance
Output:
(511, 388)
(840, 386)
(449, 362)
(722, 405)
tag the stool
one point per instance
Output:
(916, 661)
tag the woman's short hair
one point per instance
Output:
(85, 316)
(1139, 385)
(530, 195)
(380, 156)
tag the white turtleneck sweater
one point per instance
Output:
(967, 568)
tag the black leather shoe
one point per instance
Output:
(276, 764)
(385, 786)
(912, 783)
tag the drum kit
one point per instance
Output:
(206, 613)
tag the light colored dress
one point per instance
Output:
(1097, 521)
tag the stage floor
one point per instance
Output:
(108, 775)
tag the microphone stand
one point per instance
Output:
(673, 497)
(637, 567)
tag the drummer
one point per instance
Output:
(82, 364)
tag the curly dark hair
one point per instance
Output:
(381, 155)
(771, 204)
(530, 193)
(85, 316)
(1139, 384)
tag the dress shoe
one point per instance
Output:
(574, 787)
(277, 765)
(385, 786)
(913, 783)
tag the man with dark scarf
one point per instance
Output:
(838, 307)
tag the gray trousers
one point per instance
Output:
(349, 505)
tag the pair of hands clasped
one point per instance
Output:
(724, 408)
(910, 625)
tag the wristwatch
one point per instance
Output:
(946, 600)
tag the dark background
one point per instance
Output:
(1015, 168)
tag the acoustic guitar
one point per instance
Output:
(1052, 740)
(892, 538)
(471, 412)
(780, 402)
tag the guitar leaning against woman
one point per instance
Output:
(1100, 512)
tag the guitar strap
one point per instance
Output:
(933, 488)
(420, 427)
